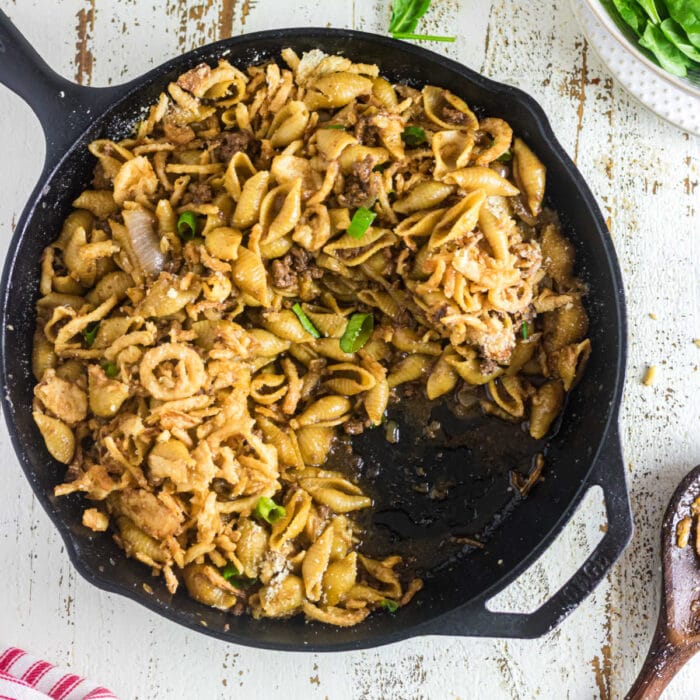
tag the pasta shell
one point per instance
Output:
(425, 195)
(546, 406)
(481, 178)
(376, 401)
(337, 493)
(248, 208)
(452, 150)
(332, 142)
(443, 377)
(280, 210)
(59, 438)
(530, 174)
(458, 220)
(238, 171)
(501, 134)
(469, 369)
(315, 444)
(352, 251)
(250, 276)
(336, 90)
(339, 578)
(325, 409)
(289, 124)
(207, 586)
(349, 379)
(316, 562)
(446, 109)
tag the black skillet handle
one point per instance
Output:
(475, 620)
(64, 108)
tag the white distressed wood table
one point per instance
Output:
(645, 176)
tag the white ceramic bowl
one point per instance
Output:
(674, 99)
(624, 35)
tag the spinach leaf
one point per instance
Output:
(633, 14)
(675, 34)
(687, 14)
(405, 15)
(668, 56)
(649, 6)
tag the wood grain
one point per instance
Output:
(645, 176)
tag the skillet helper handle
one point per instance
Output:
(63, 108)
(476, 620)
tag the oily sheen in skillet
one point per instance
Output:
(273, 261)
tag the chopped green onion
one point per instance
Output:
(380, 167)
(90, 333)
(413, 136)
(361, 220)
(505, 157)
(111, 369)
(269, 511)
(422, 37)
(357, 332)
(334, 126)
(187, 225)
(390, 606)
(524, 330)
(230, 571)
(305, 321)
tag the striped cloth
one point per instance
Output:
(26, 677)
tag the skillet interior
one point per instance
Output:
(480, 496)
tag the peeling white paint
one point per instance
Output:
(644, 174)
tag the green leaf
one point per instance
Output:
(687, 14)
(305, 321)
(675, 34)
(632, 14)
(524, 330)
(668, 56)
(405, 15)
(505, 157)
(649, 6)
(357, 332)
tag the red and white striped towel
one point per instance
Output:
(26, 677)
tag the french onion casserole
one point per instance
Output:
(248, 283)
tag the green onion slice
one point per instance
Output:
(111, 369)
(524, 330)
(230, 571)
(413, 136)
(305, 321)
(334, 126)
(361, 220)
(505, 157)
(357, 332)
(90, 333)
(269, 511)
(187, 225)
(390, 606)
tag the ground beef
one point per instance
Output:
(366, 133)
(297, 263)
(283, 276)
(488, 366)
(360, 187)
(201, 192)
(229, 143)
(100, 181)
(453, 116)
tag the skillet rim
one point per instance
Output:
(539, 122)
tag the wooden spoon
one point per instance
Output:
(677, 635)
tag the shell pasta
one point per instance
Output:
(253, 278)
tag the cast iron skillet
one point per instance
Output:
(467, 465)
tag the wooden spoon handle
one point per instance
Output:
(663, 662)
